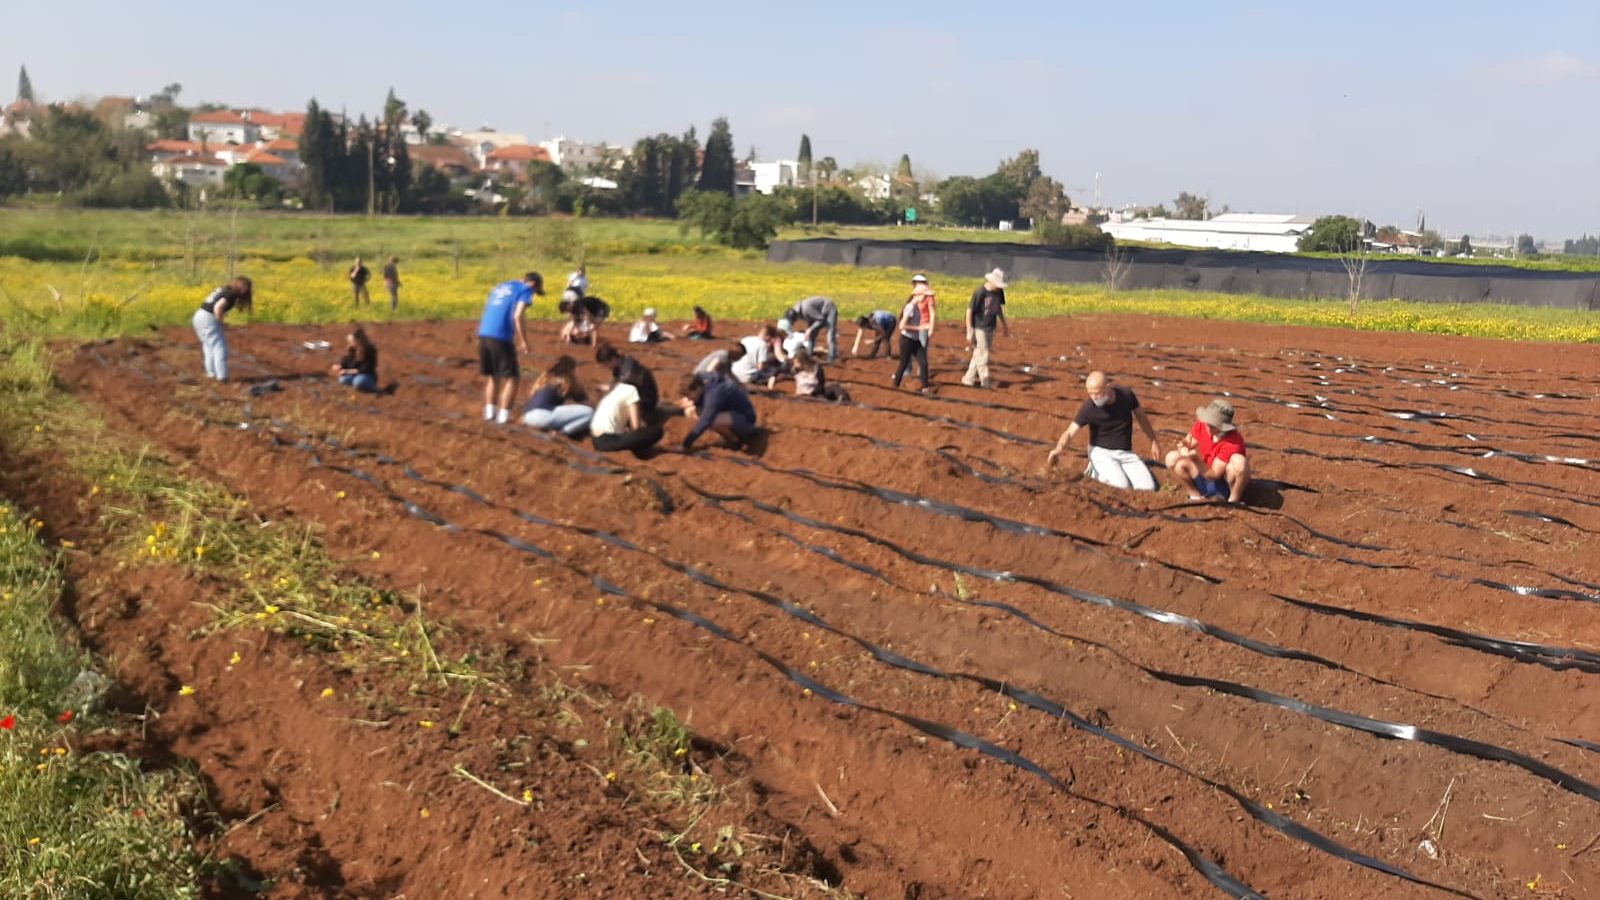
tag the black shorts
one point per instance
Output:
(497, 358)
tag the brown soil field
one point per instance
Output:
(938, 668)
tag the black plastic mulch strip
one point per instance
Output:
(1549, 656)
(1543, 517)
(1395, 730)
(959, 738)
(1213, 873)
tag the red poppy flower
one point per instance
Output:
(65, 717)
(8, 723)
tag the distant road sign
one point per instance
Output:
(911, 214)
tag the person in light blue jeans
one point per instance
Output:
(359, 367)
(557, 400)
(236, 294)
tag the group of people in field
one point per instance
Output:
(1210, 462)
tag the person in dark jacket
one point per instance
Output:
(359, 276)
(627, 370)
(719, 405)
(359, 367)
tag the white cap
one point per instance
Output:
(784, 326)
(649, 312)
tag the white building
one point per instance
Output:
(195, 171)
(1268, 232)
(577, 156)
(769, 176)
(482, 143)
(224, 126)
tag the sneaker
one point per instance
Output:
(502, 417)
(488, 412)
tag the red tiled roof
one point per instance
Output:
(282, 144)
(171, 146)
(263, 158)
(441, 156)
(519, 153)
(217, 117)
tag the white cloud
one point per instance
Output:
(1543, 70)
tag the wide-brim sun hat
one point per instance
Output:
(919, 278)
(1218, 414)
(650, 312)
(996, 278)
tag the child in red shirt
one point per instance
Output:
(1213, 463)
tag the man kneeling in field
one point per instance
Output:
(1109, 414)
(1212, 463)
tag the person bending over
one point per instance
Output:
(627, 370)
(817, 313)
(878, 327)
(719, 362)
(721, 406)
(760, 360)
(1109, 414)
(1212, 463)
(359, 367)
(558, 401)
(621, 423)
(236, 294)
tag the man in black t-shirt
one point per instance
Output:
(1109, 414)
(359, 274)
(986, 312)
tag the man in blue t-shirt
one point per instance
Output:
(497, 358)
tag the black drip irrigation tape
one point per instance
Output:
(954, 736)
(1164, 617)
(1212, 872)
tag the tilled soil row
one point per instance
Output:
(1229, 738)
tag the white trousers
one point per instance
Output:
(1120, 469)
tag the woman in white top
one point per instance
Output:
(646, 331)
(619, 423)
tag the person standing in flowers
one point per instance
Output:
(236, 294)
(359, 276)
(497, 357)
(391, 281)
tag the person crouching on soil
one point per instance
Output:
(580, 326)
(1109, 414)
(627, 370)
(621, 422)
(699, 328)
(558, 400)
(722, 406)
(646, 331)
(811, 381)
(359, 367)
(1212, 463)
(719, 362)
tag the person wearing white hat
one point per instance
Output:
(646, 331)
(1212, 463)
(984, 314)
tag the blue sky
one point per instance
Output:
(1482, 115)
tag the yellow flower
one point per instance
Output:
(339, 495)
(327, 692)
(185, 691)
(611, 776)
(426, 723)
(33, 842)
(234, 659)
(199, 551)
(61, 751)
(527, 796)
(425, 812)
(272, 610)
(376, 555)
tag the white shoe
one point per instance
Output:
(503, 417)
(488, 412)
